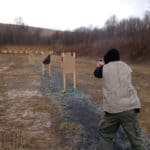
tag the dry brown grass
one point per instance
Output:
(39, 118)
(86, 79)
(141, 80)
(22, 107)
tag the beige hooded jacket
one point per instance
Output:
(118, 92)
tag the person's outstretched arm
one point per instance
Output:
(98, 72)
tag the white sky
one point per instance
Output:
(69, 14)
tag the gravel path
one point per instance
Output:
(74, 107)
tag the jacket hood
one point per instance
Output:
(111, 55)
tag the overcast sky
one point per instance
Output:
(69, 14)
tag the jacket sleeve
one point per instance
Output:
(98, 72)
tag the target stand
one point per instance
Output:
(68, 65)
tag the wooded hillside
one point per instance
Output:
(23, 35)
(131, 36)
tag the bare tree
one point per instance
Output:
(18, 21)
(111, 25)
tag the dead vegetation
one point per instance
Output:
(24, 106)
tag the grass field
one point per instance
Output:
(27, 104)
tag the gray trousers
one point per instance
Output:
(129, 122)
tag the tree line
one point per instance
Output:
(113, 29)
(132, 35)
(21, 34)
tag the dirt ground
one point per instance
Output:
(49, 120)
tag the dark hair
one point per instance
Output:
(111, 55)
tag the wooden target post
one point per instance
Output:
(68, 65)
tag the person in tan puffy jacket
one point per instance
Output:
(120, 101)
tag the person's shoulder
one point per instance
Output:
(125, 65)
(116, 63)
